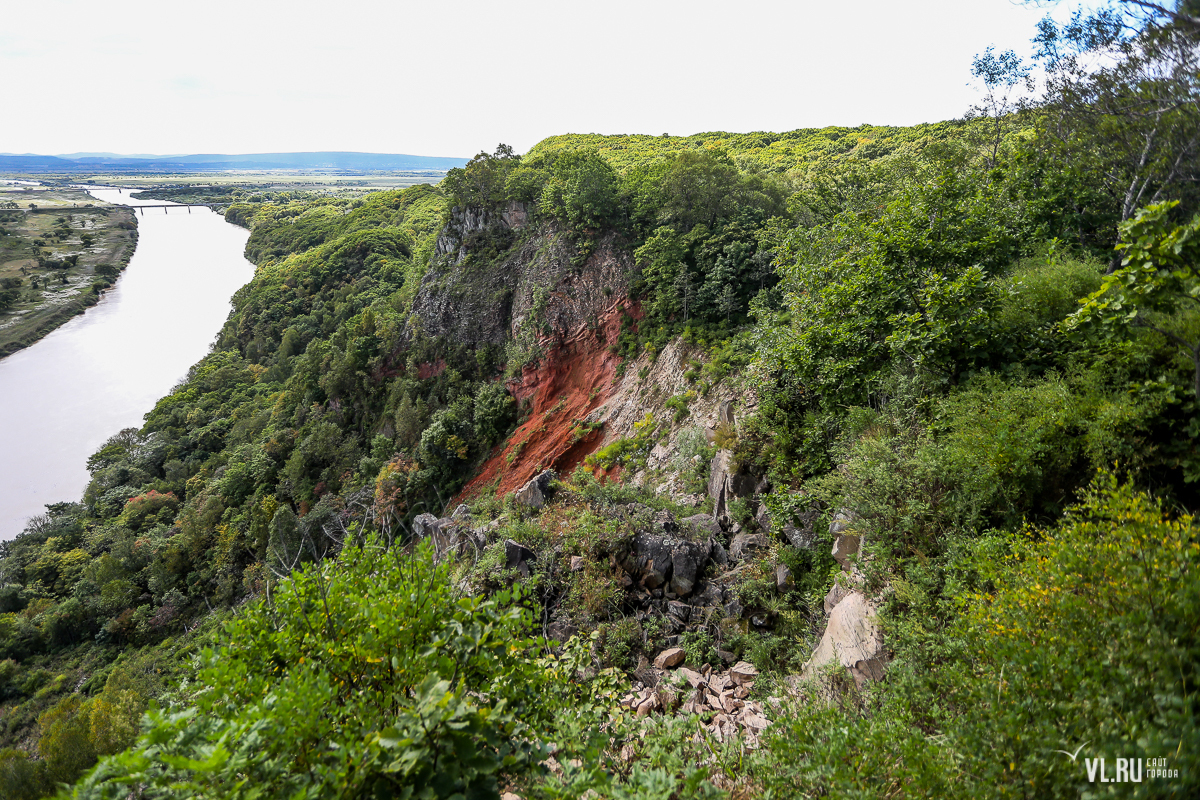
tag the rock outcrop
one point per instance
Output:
(536, 492)
(853, 640)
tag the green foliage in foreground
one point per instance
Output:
(1013, 648)
(365, 675)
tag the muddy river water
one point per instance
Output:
(61, 398)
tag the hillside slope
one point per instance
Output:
(806, 473)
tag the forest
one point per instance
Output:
(971, 347)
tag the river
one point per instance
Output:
(64, 396)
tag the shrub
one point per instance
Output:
(369, 673)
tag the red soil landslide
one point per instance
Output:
(576, 377)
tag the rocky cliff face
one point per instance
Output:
(540, 290)
(562, 312)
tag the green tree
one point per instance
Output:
(700, 187)
(1159, 276)
(664, 269)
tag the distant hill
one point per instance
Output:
(208, 162)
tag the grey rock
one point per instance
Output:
(647, 676)
(844, 548)
(783, 579)
(536, 492)
(745, 545)
(561, 630)
(424, 525)
(762, 518)
(463, 512)
(713, 594)
(719, 555)
(578, 563)
(678, 610)
(718, 482)
(726, 484)
(702, 524)
(842, 521)
(516, 555)
(650, 560)
(687, 562)
(725, 412)
(664, 522)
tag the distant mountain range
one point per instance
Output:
(211, 162)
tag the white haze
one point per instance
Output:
(457, 76)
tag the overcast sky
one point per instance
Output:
(452, 77)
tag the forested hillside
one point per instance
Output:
(842, 463)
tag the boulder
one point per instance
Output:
(424, 526)
(853, 640)
(742, 673)
(725, 412)
(783, 579)
(745, 545)
(671, 657)
(463, 512)
(842, 521)
(718, 481)
(561, 629)
(802, 533)
(667, 562)
(687, 562)
(844, 548)
(762, 518)
(838, 593)
(702, 524)
(650, 560)
(712, 595)
(679, 611)
(536, 492)
(517, 556)
(694, 679)
(446, 534)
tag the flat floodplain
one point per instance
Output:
(56, 245)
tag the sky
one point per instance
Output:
(454, 77)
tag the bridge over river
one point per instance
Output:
(91, 207)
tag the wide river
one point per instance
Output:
(63, 397)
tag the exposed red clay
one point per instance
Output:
(576, 376)
(426, 369)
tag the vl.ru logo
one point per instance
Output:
(1126, 770)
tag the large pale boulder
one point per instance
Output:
(536, 492)
(853, 640)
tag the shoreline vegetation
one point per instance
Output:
(57, 259)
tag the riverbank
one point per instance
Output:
(104, 370)
(57, 261)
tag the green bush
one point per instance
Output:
(368, 673)
(1039, 642)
